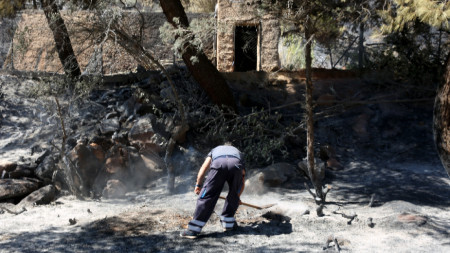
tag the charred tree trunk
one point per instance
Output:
(208, 77)
(315, 179)
(361, 47)
(62, 39)
(441, 121)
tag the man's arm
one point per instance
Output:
(201, 175)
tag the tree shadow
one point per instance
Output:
(396, 182)
(89, 238)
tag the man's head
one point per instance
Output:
(228, 143)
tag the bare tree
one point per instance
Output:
(206, 74)
(62, 39)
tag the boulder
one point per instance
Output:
(143, 135)
(98, 151)
(14, 188)
(151, 165)
(46, 168)
(6, 166)
(142, 130)
(20, 172)
(129, 107)
(42, 196)
(117, 159)
(109, 126)
(274, 175)
(86, 166)
(114, 189)
(277, 174)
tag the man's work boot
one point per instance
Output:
(235, 226)
(189, 234)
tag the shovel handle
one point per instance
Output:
(245, 204)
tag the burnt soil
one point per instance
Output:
(392, 165)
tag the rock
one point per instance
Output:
(255, 184)
(109, 126)
(142, 130)
(98, 151)
(129, 107)
(114, 189)
(45, 169)
(86, 165)
(412, 218)
(143, 135)
(20, 172)
(14, 188)
(187, 160)
(43, 196)
(112, 115)
(6, 166)
(117, 159)
(72, 221)
(277, 174)
(42, 156)
(274, 175)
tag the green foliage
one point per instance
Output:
(415, 32)
(402, 14)
(410, 55)
(291, 52)
(9, 8)
(259, 134)
(198, 32)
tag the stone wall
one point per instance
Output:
(34, 47)
(236, 13)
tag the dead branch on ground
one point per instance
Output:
(3, 209)
(351, 217)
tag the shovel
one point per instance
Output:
(253, 206)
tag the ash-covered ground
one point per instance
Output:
(388, 161)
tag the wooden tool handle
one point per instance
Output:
(245, 204)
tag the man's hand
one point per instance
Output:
(197, 190)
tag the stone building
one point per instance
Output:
(246, 40)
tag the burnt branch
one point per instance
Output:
(351, 217)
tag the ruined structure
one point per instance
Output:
(34, 48)
(246, 40)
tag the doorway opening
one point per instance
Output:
(245, 48)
